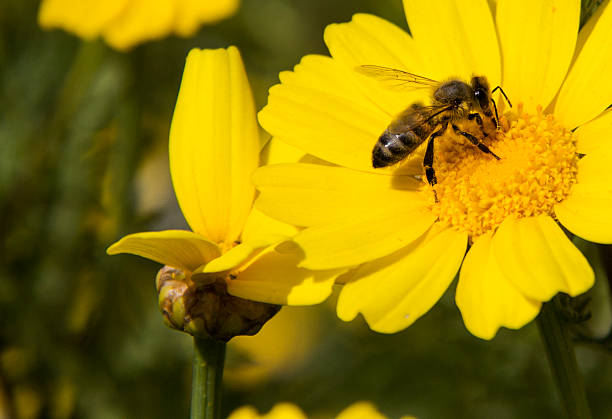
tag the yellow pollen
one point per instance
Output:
(537, 168)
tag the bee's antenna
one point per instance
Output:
(503, 93)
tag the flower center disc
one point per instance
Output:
(537, 167)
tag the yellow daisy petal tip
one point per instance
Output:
(538, 258)
(114, 249)
(394, 291)
(486, 298)
(177, 248)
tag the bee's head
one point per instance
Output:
(482, 94)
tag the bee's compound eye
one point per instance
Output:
(481, 97)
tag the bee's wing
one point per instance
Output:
(417, 116)
(396, 79)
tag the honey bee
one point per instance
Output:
(452, 102)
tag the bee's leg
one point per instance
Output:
(478, 119)
(496, 114)
(430, 173)
(503, 93)
(495, 104)
(474, 141)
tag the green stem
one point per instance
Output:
(87, 60)
(208, 360)
(562, 361)
(126, 151)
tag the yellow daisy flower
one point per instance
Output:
(358, 410)
(364, 410)
(214, 148)
(405, 245)
(125, 23)
(279, 411)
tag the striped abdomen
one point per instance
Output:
(402, 137)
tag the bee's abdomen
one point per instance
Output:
(392, 147)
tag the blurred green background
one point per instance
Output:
(83, 161)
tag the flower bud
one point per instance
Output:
(206, 310)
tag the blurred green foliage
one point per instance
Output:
(80, 335)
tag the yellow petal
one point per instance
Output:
(587, 89)
(236, 256)
(594, 134)
(262, 232)
(394, 291)
(486, 297)
(359, 238)
(586, 29)
(586, 211)
(537, 41)
(277, 151)
(214, 144)
(539, 259)
(190, 14)
(259, 226)
(141, 21)
(85, 18)
(457, 38)
(368, 39)
(177, 248)
(274, 278)
(309, 195)
(318, 109)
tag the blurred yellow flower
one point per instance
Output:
(408, 247)
(126, 23)
(279, 411)
(359, 410)
(214, 147)
(284, 345)
(364, 410)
